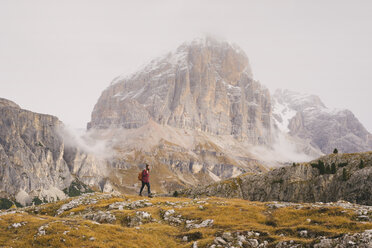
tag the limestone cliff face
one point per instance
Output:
(204, 85)
(351, 180)
(306, 117)
(34, 161)
(31, 153)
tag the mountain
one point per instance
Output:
(330, 178)
(197, 116)
(195, 113)
(207, 86)
(306, 117)
(203, 85)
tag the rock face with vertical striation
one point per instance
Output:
(31, 153)
(204, 85)
(34, 161)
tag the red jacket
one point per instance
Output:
(145, 176)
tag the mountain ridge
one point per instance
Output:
(306, 116)
(329, 178)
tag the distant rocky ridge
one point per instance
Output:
(330, 178)
(306, 117)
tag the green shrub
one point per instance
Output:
(18, 205)
(320, 166)
(77, 188)
(175, 194)
(280, 180)
(37, 201)
(5, 203)
(345, 175)
(342, 164)
(335, 151)
(327, 169)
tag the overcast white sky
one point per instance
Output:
(56, 57)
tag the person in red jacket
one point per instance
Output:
(146, 180)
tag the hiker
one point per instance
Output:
(146, 180)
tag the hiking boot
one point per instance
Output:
(150, 195)
(140, 194)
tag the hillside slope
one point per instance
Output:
(109, 220)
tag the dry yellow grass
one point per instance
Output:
(228, 215)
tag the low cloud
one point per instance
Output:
(282, 151)
(90, 142)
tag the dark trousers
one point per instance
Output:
(148, 187)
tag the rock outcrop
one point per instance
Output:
(330, 178)
(204, 85)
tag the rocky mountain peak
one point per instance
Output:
(221, 54)
(218, 54)
(298, 101)
(204, 85)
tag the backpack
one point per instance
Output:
(140, 176)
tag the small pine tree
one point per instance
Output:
(361, 164)
(345, 175)
(327, 169)
(333, 168)
(321, 167)
(335, 151)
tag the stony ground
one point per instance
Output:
(112, 220)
